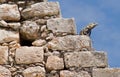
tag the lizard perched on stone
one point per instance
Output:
(87, 29)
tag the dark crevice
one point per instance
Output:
(25, 42)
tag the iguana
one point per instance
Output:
(87, 29)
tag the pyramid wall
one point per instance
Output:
(36, 41)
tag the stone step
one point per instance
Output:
(62, 25)
(107, 72)
(41, 10)
(85, 59)
(71, 43)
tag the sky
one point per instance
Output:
(105, 36)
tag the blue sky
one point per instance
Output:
(106, 35)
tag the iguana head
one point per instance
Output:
(91, 25)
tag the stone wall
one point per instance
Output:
(35, 41)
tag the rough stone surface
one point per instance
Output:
(61, 25)
(34, 72)
(2, 1)
(4, 72)
(53, 74)
(35, 41)
(14, 26)
(70, 43)
(54, 63)
(85, 59)
(39, 42)
(83, 74)
(41, 10)
(107, 72)
(27, 55)
(3, 23)
(9, 12)
(3, 54)
(66, 73)
(8, 36)
(29, 30)
(41, 21)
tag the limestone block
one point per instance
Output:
(34, 72)
(26, 55)
(54, 63)
(9, 12)
(66, 73)
(83, 74)
(85, 59)
(107, 72)
(4, 72)
(62, 25)
(70, 43)
(41, 21)
(3, 54)
(39, 42)
(29, 30)
(14, 26)
(8, 36)
(41, 10)
(3, 23)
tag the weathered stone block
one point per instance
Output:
(41, 21)
(82, 74)
(39, 42)
(54, 63)
(9, 12)
(14, 26)
(66, 73)
(34, 72)
(26, 55)
(70, 43)
(3, 23)
(85, 59)
(41, 10)
(8, 36)
(4, 72)
(29, 30)
(61, 25)
(107, 72)
(3, 54)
